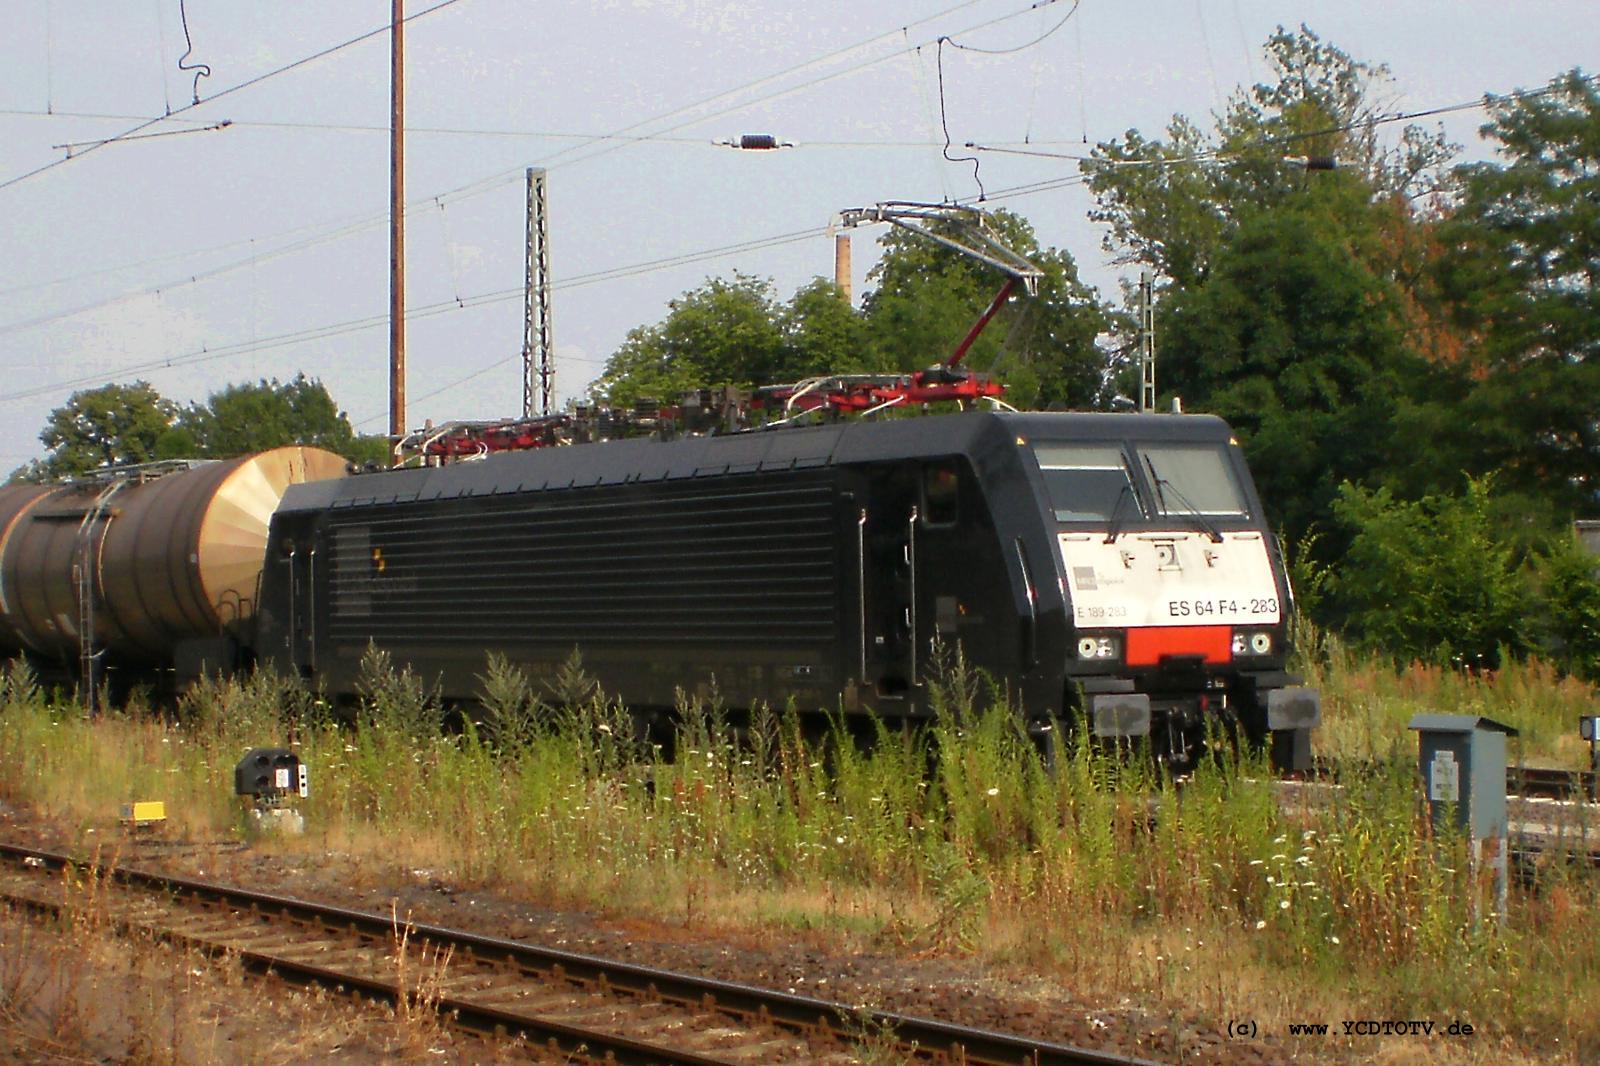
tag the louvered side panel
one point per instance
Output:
(746, 560)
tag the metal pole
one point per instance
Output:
(1147, 341)
(397, 223)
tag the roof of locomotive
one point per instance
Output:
(649, 459)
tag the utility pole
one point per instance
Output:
(841, 265)
(397, 222)
(1147, 341)
(537, 336)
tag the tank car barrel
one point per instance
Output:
(135, 564)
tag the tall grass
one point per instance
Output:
(955, 837)
(1367, 702)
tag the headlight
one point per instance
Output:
(1098, 648)
(1247, 643)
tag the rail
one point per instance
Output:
(508, 1007)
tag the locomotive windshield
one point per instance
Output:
(1087, 482)
(1192, 479)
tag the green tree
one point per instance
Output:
(1172, 204)
(1298, 304)
(241, 419)
(723, 333)
(1569, 592)
(823, 334)
(1523, 272)
(1301, 345)
(369, 449)
(925, 300)
(113, 425)
(1432, 579)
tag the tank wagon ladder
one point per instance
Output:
(97, 516)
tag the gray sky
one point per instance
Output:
(260, 250)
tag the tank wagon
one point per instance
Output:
(1115, 571)
(143, 571)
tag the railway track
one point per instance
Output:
(1526, 781)
(571, 1004)
(1550, 783)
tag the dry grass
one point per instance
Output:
(419, 980)
(73, 990)
(1367, 704)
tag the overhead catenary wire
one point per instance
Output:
(1000, 194)
(474, 131)
(1045, 185)
(1026, 44)
(72, 146)
(347, 228)
(1021, 190)
(944, 126)
(210, 353)
(230, 90)
(321, 233)
(837, 53)
(622, 136)
(944, 120)
(551, 162)
(1485, 101)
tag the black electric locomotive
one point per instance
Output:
(1114, 571)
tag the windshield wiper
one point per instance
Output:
(1161, 499)
(1122, 497)
(1126, 493)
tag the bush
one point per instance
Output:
(1432, 580)
(1568, 579)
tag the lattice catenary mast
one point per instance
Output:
(538, 348)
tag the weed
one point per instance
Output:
(419, 987)
(873, 1040)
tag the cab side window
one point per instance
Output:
(941, 493)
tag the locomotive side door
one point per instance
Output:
(889, 595)
(302, 617)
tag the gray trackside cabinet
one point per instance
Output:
(1463, 763)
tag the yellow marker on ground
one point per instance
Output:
(144, 813)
